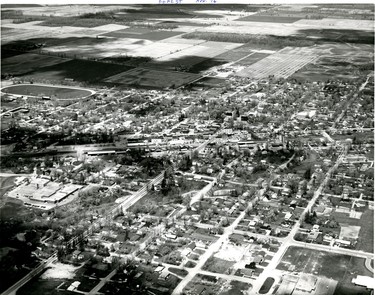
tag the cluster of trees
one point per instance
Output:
(185, 163)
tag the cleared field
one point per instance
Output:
(339, 23)
(280, 65)
(251, 59)
(146, 35)
(6, 183)
(96, 47)
(269, 19)
(158, 49)
(208, 50)
(152, 78)
(79, 70)
(330, 265)
(43, 90)
(27, 62)
(366, 233)
(338, 61)
(218, 265)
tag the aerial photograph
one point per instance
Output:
(187, 148)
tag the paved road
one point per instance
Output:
(338, 250)
(103, 281)
(368, 264)
(13, 289)
(14, 174)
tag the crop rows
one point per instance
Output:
(280, 65)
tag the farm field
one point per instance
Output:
(280, 65)
(95, 47)
(271, 19)
(146, 34)
(27, 62)
(43, 90)
(151, 78)
(252, 58)
(207, 49)
(158, 49)
(79, 70)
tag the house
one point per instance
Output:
(257, 259)
(247, 273)
(201, 290)
(288, 215)
(315, 228)
(77, 255)
(312, 236)
(164, 274)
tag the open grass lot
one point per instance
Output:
(365, 239)
(42, 90)
(79, 70)
(143, 77)
(366, 233)
(218, 265)
(6, 183)
(38, 286)
(269, 19)
(335, 266)
(156, 203)
(236, 288)
(345, 287)
(27, 62)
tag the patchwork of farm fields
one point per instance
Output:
(280, 65)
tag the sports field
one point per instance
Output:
(43, 90)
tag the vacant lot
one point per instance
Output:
(330, 265)
(42, 90)
(218, 265)
(151, 78)
(366, 233)
(6, 183)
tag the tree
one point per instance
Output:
(307, 174)
(252, 265)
